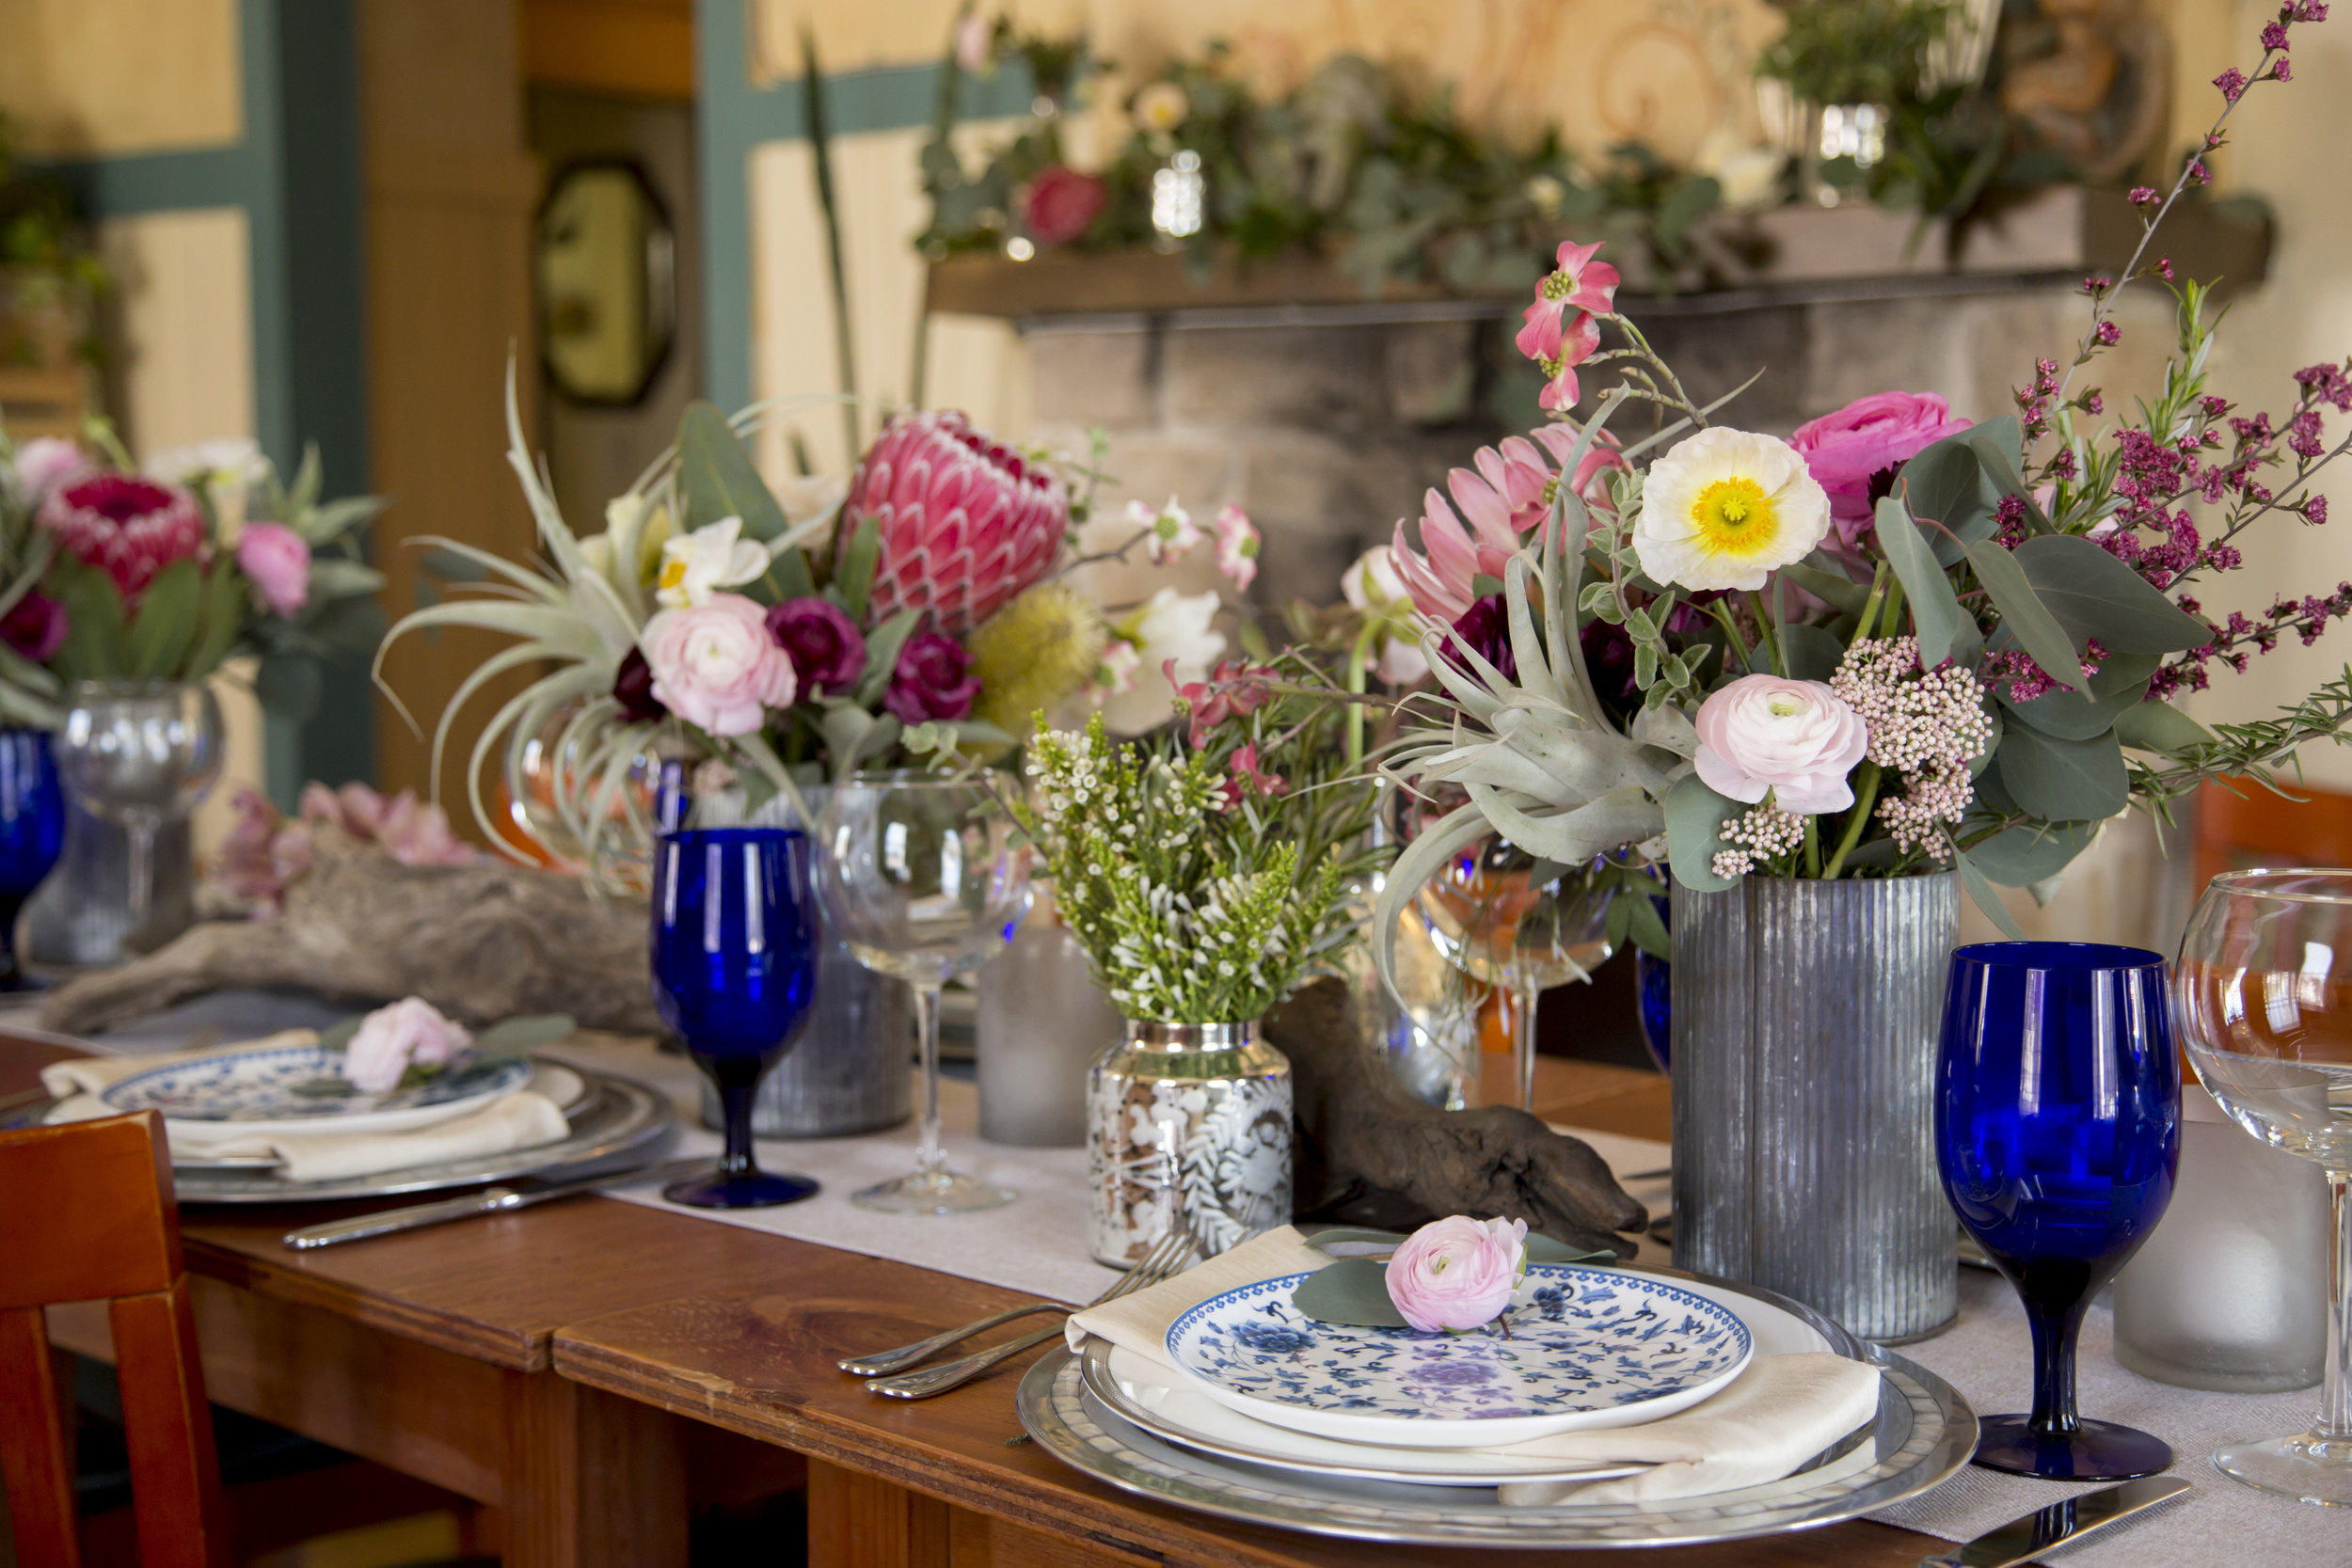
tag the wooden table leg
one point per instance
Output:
(860, 1521)
(591, 1478)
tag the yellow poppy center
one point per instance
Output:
(1734, 516)
(672, 573)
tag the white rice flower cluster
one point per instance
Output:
(1924, 726)
(1763, 833)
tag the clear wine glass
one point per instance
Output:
(140, 753)
(919, 874)
(1521, 925)
(2266, 1015)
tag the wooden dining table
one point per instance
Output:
(589, 1372)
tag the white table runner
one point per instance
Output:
(1038, 1244)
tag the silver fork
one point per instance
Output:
(886, 1361)
(1168, 1257)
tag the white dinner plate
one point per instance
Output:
(1587, 1348)
(561, 1084)
(1142, 1391)
(256, 1091)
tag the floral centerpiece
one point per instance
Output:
(1207, 869)
(1833, 679)
(797, 635)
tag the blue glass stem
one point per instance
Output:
(2054, 1307)
(738, 1080)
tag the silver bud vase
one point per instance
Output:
(1186, 1124)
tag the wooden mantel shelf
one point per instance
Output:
(1798, 253)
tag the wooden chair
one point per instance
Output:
(86, 1214)
(2241, 825)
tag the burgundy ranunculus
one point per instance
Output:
(35, 628)
(1060, 203)
(933, 680)
(1608, 658)
(827, 652)
(1487, 628)
(633, 690)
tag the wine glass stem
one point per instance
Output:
(735, 1099)
(2335, 1408)
(2054, 1331)
(928, 1159)
(142, 869)
(1523, 1045)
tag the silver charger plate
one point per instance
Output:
(1924, 1433)
(616, 1118)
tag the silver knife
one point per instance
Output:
(2028, 1537)
(490, 1200)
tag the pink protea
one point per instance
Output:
(966, 523)
(130, 528)
(1505, 498)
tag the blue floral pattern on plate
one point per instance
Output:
(260, 1085)
(1582, 1341)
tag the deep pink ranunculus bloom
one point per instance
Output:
(35, 626)
(933, 680)
(1871, 435)
(1060, 203)
(278, 559)
(828, 653)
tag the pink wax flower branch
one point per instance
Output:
(1457, 1274)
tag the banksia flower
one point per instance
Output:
(1035, 653)
(966, 523)
(127, 527)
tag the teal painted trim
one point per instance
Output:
(733, 115)
(157, 181)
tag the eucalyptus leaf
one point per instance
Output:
(2024, 615)
(1945, 481)
(1349, 1291)
(1810, 653)
(1946, 631)
(719, 480)
(2064, 781)
(2159, 727)
(324, 1088)
(2091, 594)
(1832, 588)
(853, 578)
(520, 1036)
(338, 1034)
(1695, 816)
(2031, 852)
(1988, 898)
(2119, 686)
(335, 579)
(92, 649)
(220, 619)
(881, 655)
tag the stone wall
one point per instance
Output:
(1326, 425)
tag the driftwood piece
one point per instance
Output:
(1369, 1153)
(481, 943)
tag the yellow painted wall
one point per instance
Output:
(186, 344)
(117, 76)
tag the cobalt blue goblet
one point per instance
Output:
(2057, 1131)
(734, 976)
(32, 834)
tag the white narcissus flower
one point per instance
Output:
(1161, 107)
(235, 460)
(1170, 626)
(1724, 509)
(1372, 584)
(697, 566)
(1795, 741)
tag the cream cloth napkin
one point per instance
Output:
(529, 1116)
(1779, 1412)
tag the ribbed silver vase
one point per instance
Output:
(1805, 1016)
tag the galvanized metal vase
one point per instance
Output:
(1190, 1120)
(1805, 1023)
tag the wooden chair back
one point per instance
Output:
(87, 1215)
(2241, 825)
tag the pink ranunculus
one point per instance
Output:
(130, 528)
(828, 653)
(931, 681)
(279, 560)
(715, 666)
(1060, 203)
(410, 1033)
(1795, 741)
(44, 463)
(35, 626)
(1848, 451)
(1457, 1274)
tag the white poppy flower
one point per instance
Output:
(1726, 508)
(697, 566)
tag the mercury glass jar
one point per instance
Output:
(1190, 1121)
(2230, 1292)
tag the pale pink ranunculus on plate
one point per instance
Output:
(1795, 741)
(410, 1033)
(1457, 1272)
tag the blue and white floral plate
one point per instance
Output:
(258, 1091)
(1588, 1348)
